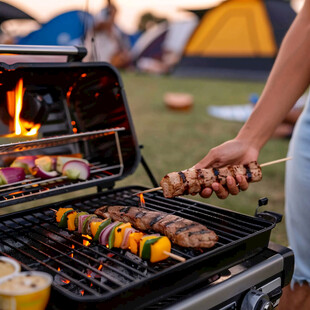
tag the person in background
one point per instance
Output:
(105, 41)
(288, 80)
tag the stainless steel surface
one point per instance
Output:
(39, 49)
(11, 148)
(232, 286)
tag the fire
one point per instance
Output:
(100, 267)
(58, 269)
(82, 292)
(72, 246)
(142, 201)
(86, 242)
(15, 105)
(66, 281)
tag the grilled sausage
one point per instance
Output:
(183, 232)
(193, 181)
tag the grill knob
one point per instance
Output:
(256, 300)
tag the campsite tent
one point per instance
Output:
(68, 28)
(237, 38)
(162, 38)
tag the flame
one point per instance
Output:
(58, 269)
(66, 281)
(142, 201)
(82, 292)
(72, 246)
(86, 242)
(15, 104)
(100, 267)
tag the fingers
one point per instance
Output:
(206, 192)
(220, 191)
(242, 181)
(233, 187)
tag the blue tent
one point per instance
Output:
(66, 29)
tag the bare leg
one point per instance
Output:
(296, 299)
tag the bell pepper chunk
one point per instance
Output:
(119, 234)
(134, 241)
(159, 248)
(70, 220)
(60, 213)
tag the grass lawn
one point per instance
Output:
(176, 140)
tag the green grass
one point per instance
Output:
(175, 140)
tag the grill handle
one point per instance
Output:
(74, 53)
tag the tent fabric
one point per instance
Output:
(163, 37)
(237, 39)
(68, 28)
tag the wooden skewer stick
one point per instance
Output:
(176, 257)
(262, 165)
(276, 161)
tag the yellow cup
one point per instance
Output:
(31, 298)
(8, 268)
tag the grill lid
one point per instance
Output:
(83, 109)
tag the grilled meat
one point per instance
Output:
(193, 181)
(180, 231)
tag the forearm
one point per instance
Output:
(288, 80)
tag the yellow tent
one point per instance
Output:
(238, 35)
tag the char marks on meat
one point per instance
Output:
(179, 230)
(193, 181)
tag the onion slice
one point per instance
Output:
(75, 169)
(81, 221)
(104, 235)
(128, 231)
(39, 172)
(26, 162)
(10, 175)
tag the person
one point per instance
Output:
(105, 41)
(288, 80)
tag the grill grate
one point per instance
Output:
(95, 272)
(25, 190)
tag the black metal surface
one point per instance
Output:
(33, 238)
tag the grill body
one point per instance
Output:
(33, 238)
(82, 108)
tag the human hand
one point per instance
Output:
(232, 152)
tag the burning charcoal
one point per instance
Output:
(59, 280)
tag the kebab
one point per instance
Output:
(116, 234)
(181, 231)
(193, 181)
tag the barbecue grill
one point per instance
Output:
(81, 108)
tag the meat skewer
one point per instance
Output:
(181, 231)
(193, 181)
(116, 234)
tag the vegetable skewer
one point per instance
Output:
(116, 234)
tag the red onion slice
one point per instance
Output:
(10, 175)
(128, 231)
(105, 233)
(75, 169)
(81, 221)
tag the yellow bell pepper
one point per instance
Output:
(134, 241)
(142, 242)
(94, 227)
(70, 221)
(60, 213)
(119, 234)
(158, 248)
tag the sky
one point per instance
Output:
(129, 11)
